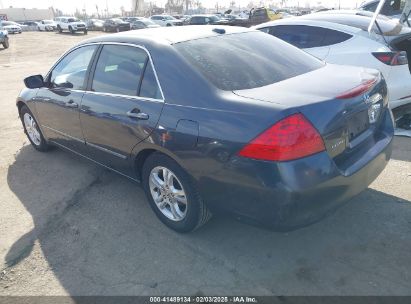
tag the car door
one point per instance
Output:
(58, 103)
(122, 106)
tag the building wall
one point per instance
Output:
(22, 14)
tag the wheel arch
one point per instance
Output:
(20, 104)
(140, 155)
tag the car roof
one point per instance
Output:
(169, 35)
(304, 21)
(388, 26)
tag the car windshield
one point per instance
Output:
(214, 18)
(169, 17)
(5, 23)
(117, 20)
(73, 20)
(48, 21)
(246, 60)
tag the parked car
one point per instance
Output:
(4, 36)
(165, 20)
(47, 25)
(392, 8)
(343, 39)
(207, 20)
(256, 16)
(143, 23)
(116, 25)
(30, 23)
(273, 135)
(12, 27)
(70, 24)
(95, 25)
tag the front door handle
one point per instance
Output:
(139, 115)
(71, 104)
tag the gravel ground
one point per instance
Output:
(68, 227)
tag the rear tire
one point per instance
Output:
(180, 188)
(6, 43)
(32, 130)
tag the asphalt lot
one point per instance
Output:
(68, 227)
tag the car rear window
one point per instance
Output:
(246, 60)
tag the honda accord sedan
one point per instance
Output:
(214, 119)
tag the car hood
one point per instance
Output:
(11, 27)
(78, 23)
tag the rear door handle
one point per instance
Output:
(139, 115)
(71, 104)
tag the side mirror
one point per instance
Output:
(34, 82)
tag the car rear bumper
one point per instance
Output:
(288, 195)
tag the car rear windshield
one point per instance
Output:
(246, 60)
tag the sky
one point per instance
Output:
(114, 6)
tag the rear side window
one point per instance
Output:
(149, 87)
(120, 70)
(305, 37)
(246, 60)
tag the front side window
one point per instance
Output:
(71, 71)
(120, 70)
(246, 60)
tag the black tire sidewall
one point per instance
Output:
(191, 220)
(6, 43)
(43, 144)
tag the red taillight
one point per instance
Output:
(358, 90)
(291, 138)
(392, 58)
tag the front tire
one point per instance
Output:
(59, 29)
(6, 43)
(71, 30)
(85, 32)
(172, 194)
(32, 130)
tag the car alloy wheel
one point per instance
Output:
(168, 193)
(32, 129)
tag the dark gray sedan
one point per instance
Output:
(216, 118)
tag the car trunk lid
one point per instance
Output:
(327, 97)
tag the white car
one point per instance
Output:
(166, 20)
(71, 24)
(46, 25)
(12, 27)
(344, 39)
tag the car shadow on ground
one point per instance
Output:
(100, 237)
